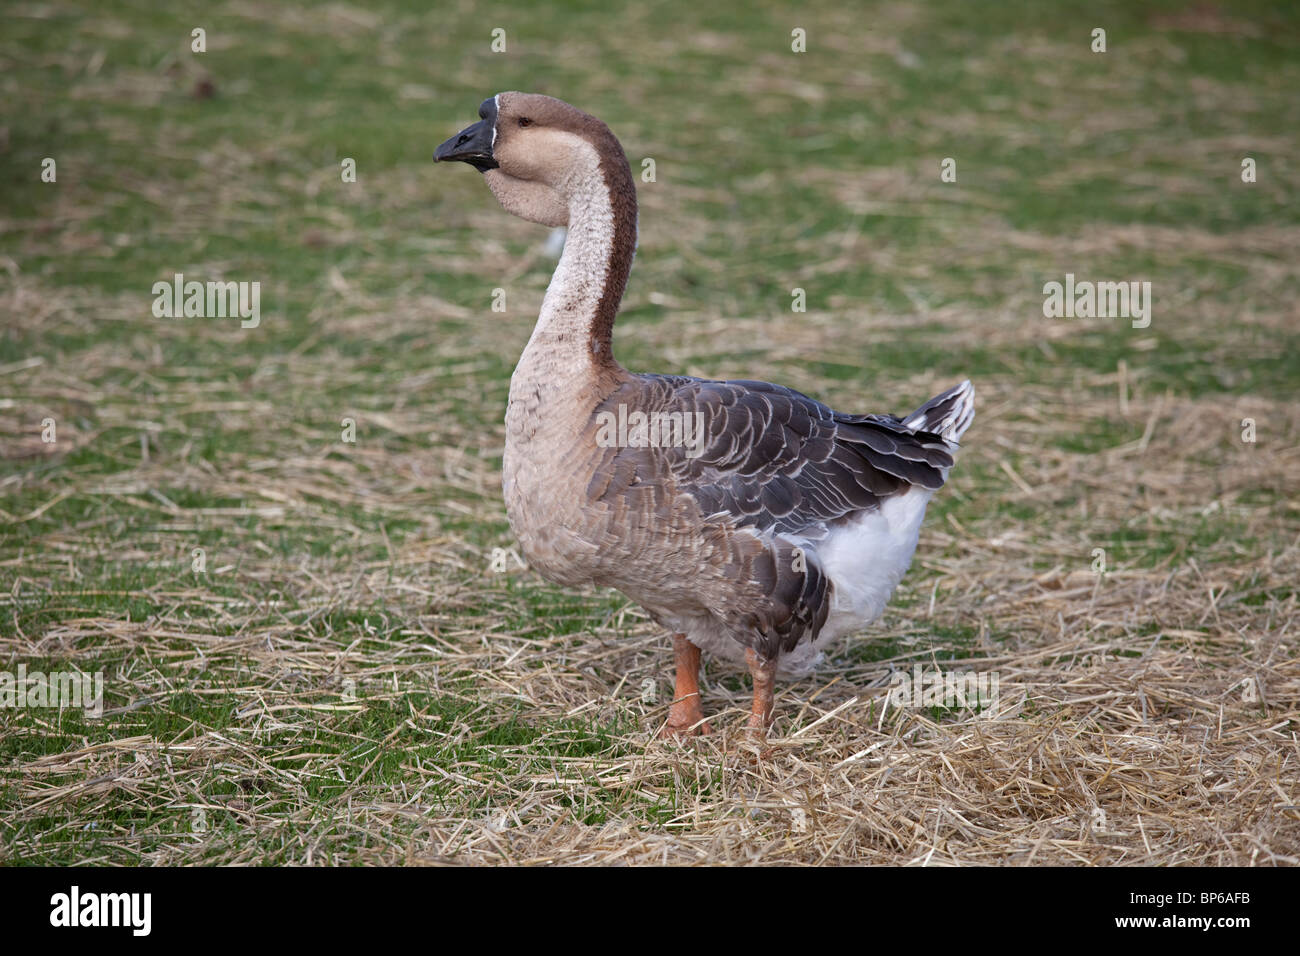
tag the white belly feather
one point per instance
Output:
(865, 559)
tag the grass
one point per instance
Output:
(349, 680)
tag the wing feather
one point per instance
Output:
(767, 466)
(772, 458)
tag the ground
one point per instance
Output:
(355, 673)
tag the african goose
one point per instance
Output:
(753, 522)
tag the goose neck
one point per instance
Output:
(577, 319)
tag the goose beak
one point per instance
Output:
(471, 145)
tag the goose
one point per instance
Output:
(750, 521)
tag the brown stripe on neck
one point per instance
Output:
(622, 202)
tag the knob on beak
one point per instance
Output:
(473, 144)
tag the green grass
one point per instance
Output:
(330, 561)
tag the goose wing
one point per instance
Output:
(766, 456)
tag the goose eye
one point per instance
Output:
(525, 121)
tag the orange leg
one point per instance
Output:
(685, 716)
(764, 674)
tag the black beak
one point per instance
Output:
(473, 144)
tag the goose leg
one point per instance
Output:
(685, 716)
(764, 674)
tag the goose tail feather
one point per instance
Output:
(947, 415)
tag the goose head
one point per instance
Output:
(537, 153)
